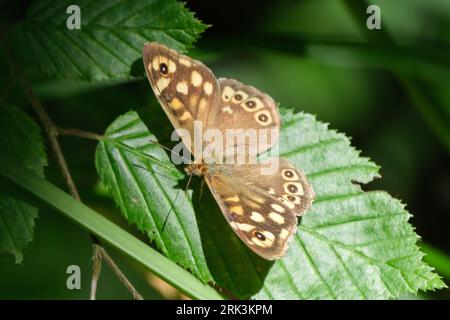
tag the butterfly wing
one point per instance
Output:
(185, 88)
(245, 107)
(289, 185)
(260, 216)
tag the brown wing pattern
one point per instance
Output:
(186, 88)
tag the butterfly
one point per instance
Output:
(261, 209)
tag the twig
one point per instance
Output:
(52, 133)
(79, 133)
(119, 274)
(96, 269)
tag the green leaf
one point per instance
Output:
(109, 41)
(351, 245)
(21, 143)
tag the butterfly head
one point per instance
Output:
(197, 169)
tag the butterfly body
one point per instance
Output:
(261, 208)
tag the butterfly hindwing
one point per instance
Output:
(261, 220)
(186, 88)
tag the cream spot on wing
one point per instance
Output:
(237, 210)
(245, 227)
(278, 218)
(257, 217)
(182, 87)
(202, 105)
(271, 191)
(193, 100)
(263, 117)
(293, 188)
(185, 116)
(207, 86)
(176, 104)
(196, 79)
(227, 109)
(172, 66)
(185, 62)
(233, 225)
(227, 93)
(257, 199)
(162, 83)
(277, 207)
(232, 199)
(284, 234)
(252, 204)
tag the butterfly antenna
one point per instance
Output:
(170, 150)
(152, 171)
(173, 203)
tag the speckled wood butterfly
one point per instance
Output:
(261, 209)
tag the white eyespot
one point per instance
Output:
(162, 83)
(182, 87)
(290, 175)
(263, 117)
(257, 217)
(293, 188)
(278, 218)
(227, 93)
(157, 61)
(196, 79)
(252, 104)
(185, 62)
(291, 198)
(208, 88)
(239, 96)
(264, 239)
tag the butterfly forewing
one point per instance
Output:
(185, 88)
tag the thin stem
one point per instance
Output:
(119, 274)
(96, 269)
(79, 133)
(52, 133)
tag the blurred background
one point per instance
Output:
(389, 89)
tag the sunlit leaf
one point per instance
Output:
(351, 244)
